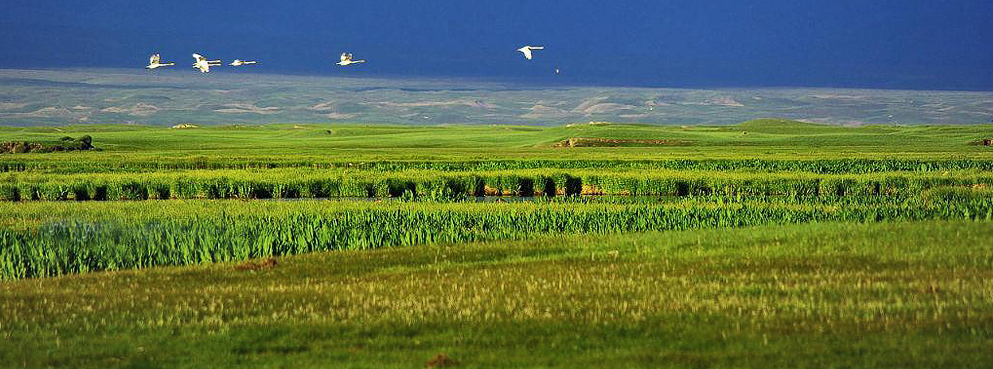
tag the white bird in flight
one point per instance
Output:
(526, 50)
(346, 59)
(203, 64)
(153, 62)
(239, 62)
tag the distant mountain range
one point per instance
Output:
(180, 96)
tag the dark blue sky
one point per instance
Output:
(916, 44)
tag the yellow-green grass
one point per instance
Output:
(899, 295)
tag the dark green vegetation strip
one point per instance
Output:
(314, 183)
(63, 238)
(901, 295)
(64, 144)
(187, 162)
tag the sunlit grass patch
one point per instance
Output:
(808, 295)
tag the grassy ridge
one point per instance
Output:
(818, 295)
(65, 238)
(763, 132)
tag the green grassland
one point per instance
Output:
(819, 295)
(305, 145)
(766, 243)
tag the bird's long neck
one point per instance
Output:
(167, 64)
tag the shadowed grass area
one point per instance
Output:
(911, 294)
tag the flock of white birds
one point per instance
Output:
(201, 63)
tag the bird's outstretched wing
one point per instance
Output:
(198, 57)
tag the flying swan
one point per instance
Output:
(153, 62)
(346, 59)
(526, 50)
(203, 64)
(239, 62)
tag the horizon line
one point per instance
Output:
(488, 79)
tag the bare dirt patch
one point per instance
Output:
(592, 190)
(490, 191)
(440, 361)
(617, 142)
(257, 265)
(985, 142)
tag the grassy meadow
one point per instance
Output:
(893, 294)
(284, 145)
(766, 243)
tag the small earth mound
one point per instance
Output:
(252, 265)
(440, 361)
(780, 126)
(570, 125)
(184, 126)
(777, 123)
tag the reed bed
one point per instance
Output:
(437, 184)
(49, 239)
